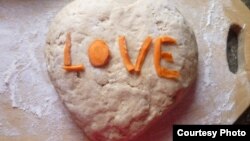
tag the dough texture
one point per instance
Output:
(109, 103)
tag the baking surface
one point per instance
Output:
(30, 109)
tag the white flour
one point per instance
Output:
(211, 40)
(23, 69)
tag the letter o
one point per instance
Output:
(234, 133)
(98, 53)
(186, 133)
(243, 133)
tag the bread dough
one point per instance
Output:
(109, 103)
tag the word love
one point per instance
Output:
(99, 56)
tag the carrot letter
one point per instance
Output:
(98, 53)
(164, 72)
(67, 56)
(141, 57)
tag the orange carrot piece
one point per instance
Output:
(164, 72)
(124, 53)
(98, 53)
(67, 56)
(157, 56)
(74, 68)
(67, 50)
(169, 73)
(142, 54)
(167, 56)
(168, 39)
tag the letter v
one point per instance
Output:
(140, 58)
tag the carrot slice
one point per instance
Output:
(141, 57)
(169, 73)
(167, 56)
(98, 53)
(164, 72)
(168, 39)
(157, 56)
(142, 54)
(74, 68)
(67, 52)
(67, 56)
(124, 53)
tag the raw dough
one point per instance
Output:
(109, 103)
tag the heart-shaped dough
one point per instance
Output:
(109, 103)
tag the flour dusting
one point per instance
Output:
(24, 74)
(210, 12)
